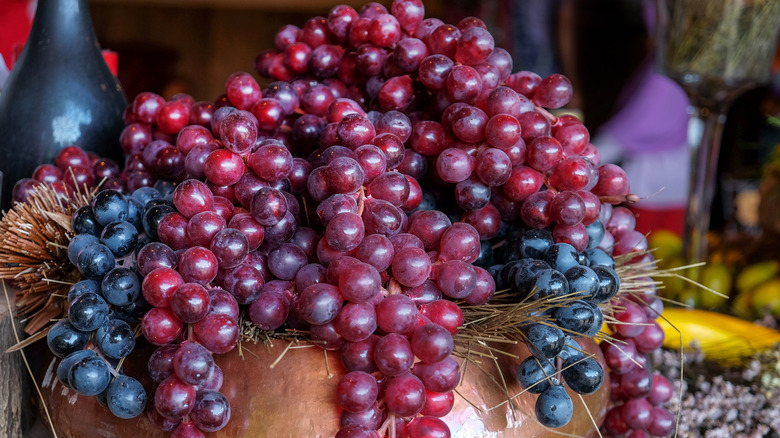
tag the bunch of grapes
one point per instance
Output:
(97, 333)
(543, 270)
(74, 171)
(393, 168)
(638, 393)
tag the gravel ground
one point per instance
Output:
(717, 402)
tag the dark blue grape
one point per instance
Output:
(82, 287)
(544, 341)
(126, 397)
(534, 243)
(536, 375)
(485, 258)
(523, 273)
(577, 317)
(84, 222)
(88, 312)
(598, 257)
(153, 217)
(109, 206)
(145, 194)
(561, 256)
(133, 312)
(548, 283)
(135, 212)
(609, 284)
(68, 361)
(121, 286)
(598, 320)
(583, 282)
(554, 407)
(571, 350)
(505, 278)
(120, 237)
(595, 233)
(166, 188)
(89, 376)
(155, 203)
(63, 338)
(584, 376)
(115, 339)
(77, 243)
(95, 260)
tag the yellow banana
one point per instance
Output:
(721, 337)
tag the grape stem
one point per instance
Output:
(629, 198)
(388, 424)
(361, 200)
(394, 288)
(548, 115)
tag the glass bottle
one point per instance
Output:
(59, 93)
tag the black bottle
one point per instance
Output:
(59, 93)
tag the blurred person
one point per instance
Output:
(645, 131)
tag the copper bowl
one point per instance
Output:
(296, 398)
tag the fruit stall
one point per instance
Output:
(384, 223)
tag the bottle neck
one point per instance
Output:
(62, 24)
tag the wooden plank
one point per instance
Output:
(12, 378)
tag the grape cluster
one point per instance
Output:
(74, 170)
(359, 197)
(639, 393)
(189, 322)
(543, 270)
(102, 308)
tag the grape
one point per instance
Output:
(440, 376)
(63, 339)
(109, 206)
(119, 237)
(583, 376)
(89, 376)
(356, 391)
(356, 321)
(68, 361)
(160, 326)
(393, 355)
(544, 341)
(536, 375)
(115, 339)
(405, 395)
(88, 312)
(217, 332)
(456, 278)
(120, 286)
(211, 411)
(126, 397)
(432, 343)
(554, 407)
(396, 314)
(411, 266)
(95, 260)
(192, 363)
(438, 404)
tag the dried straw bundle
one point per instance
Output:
(33, 254)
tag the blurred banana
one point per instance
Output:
(721, 337)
